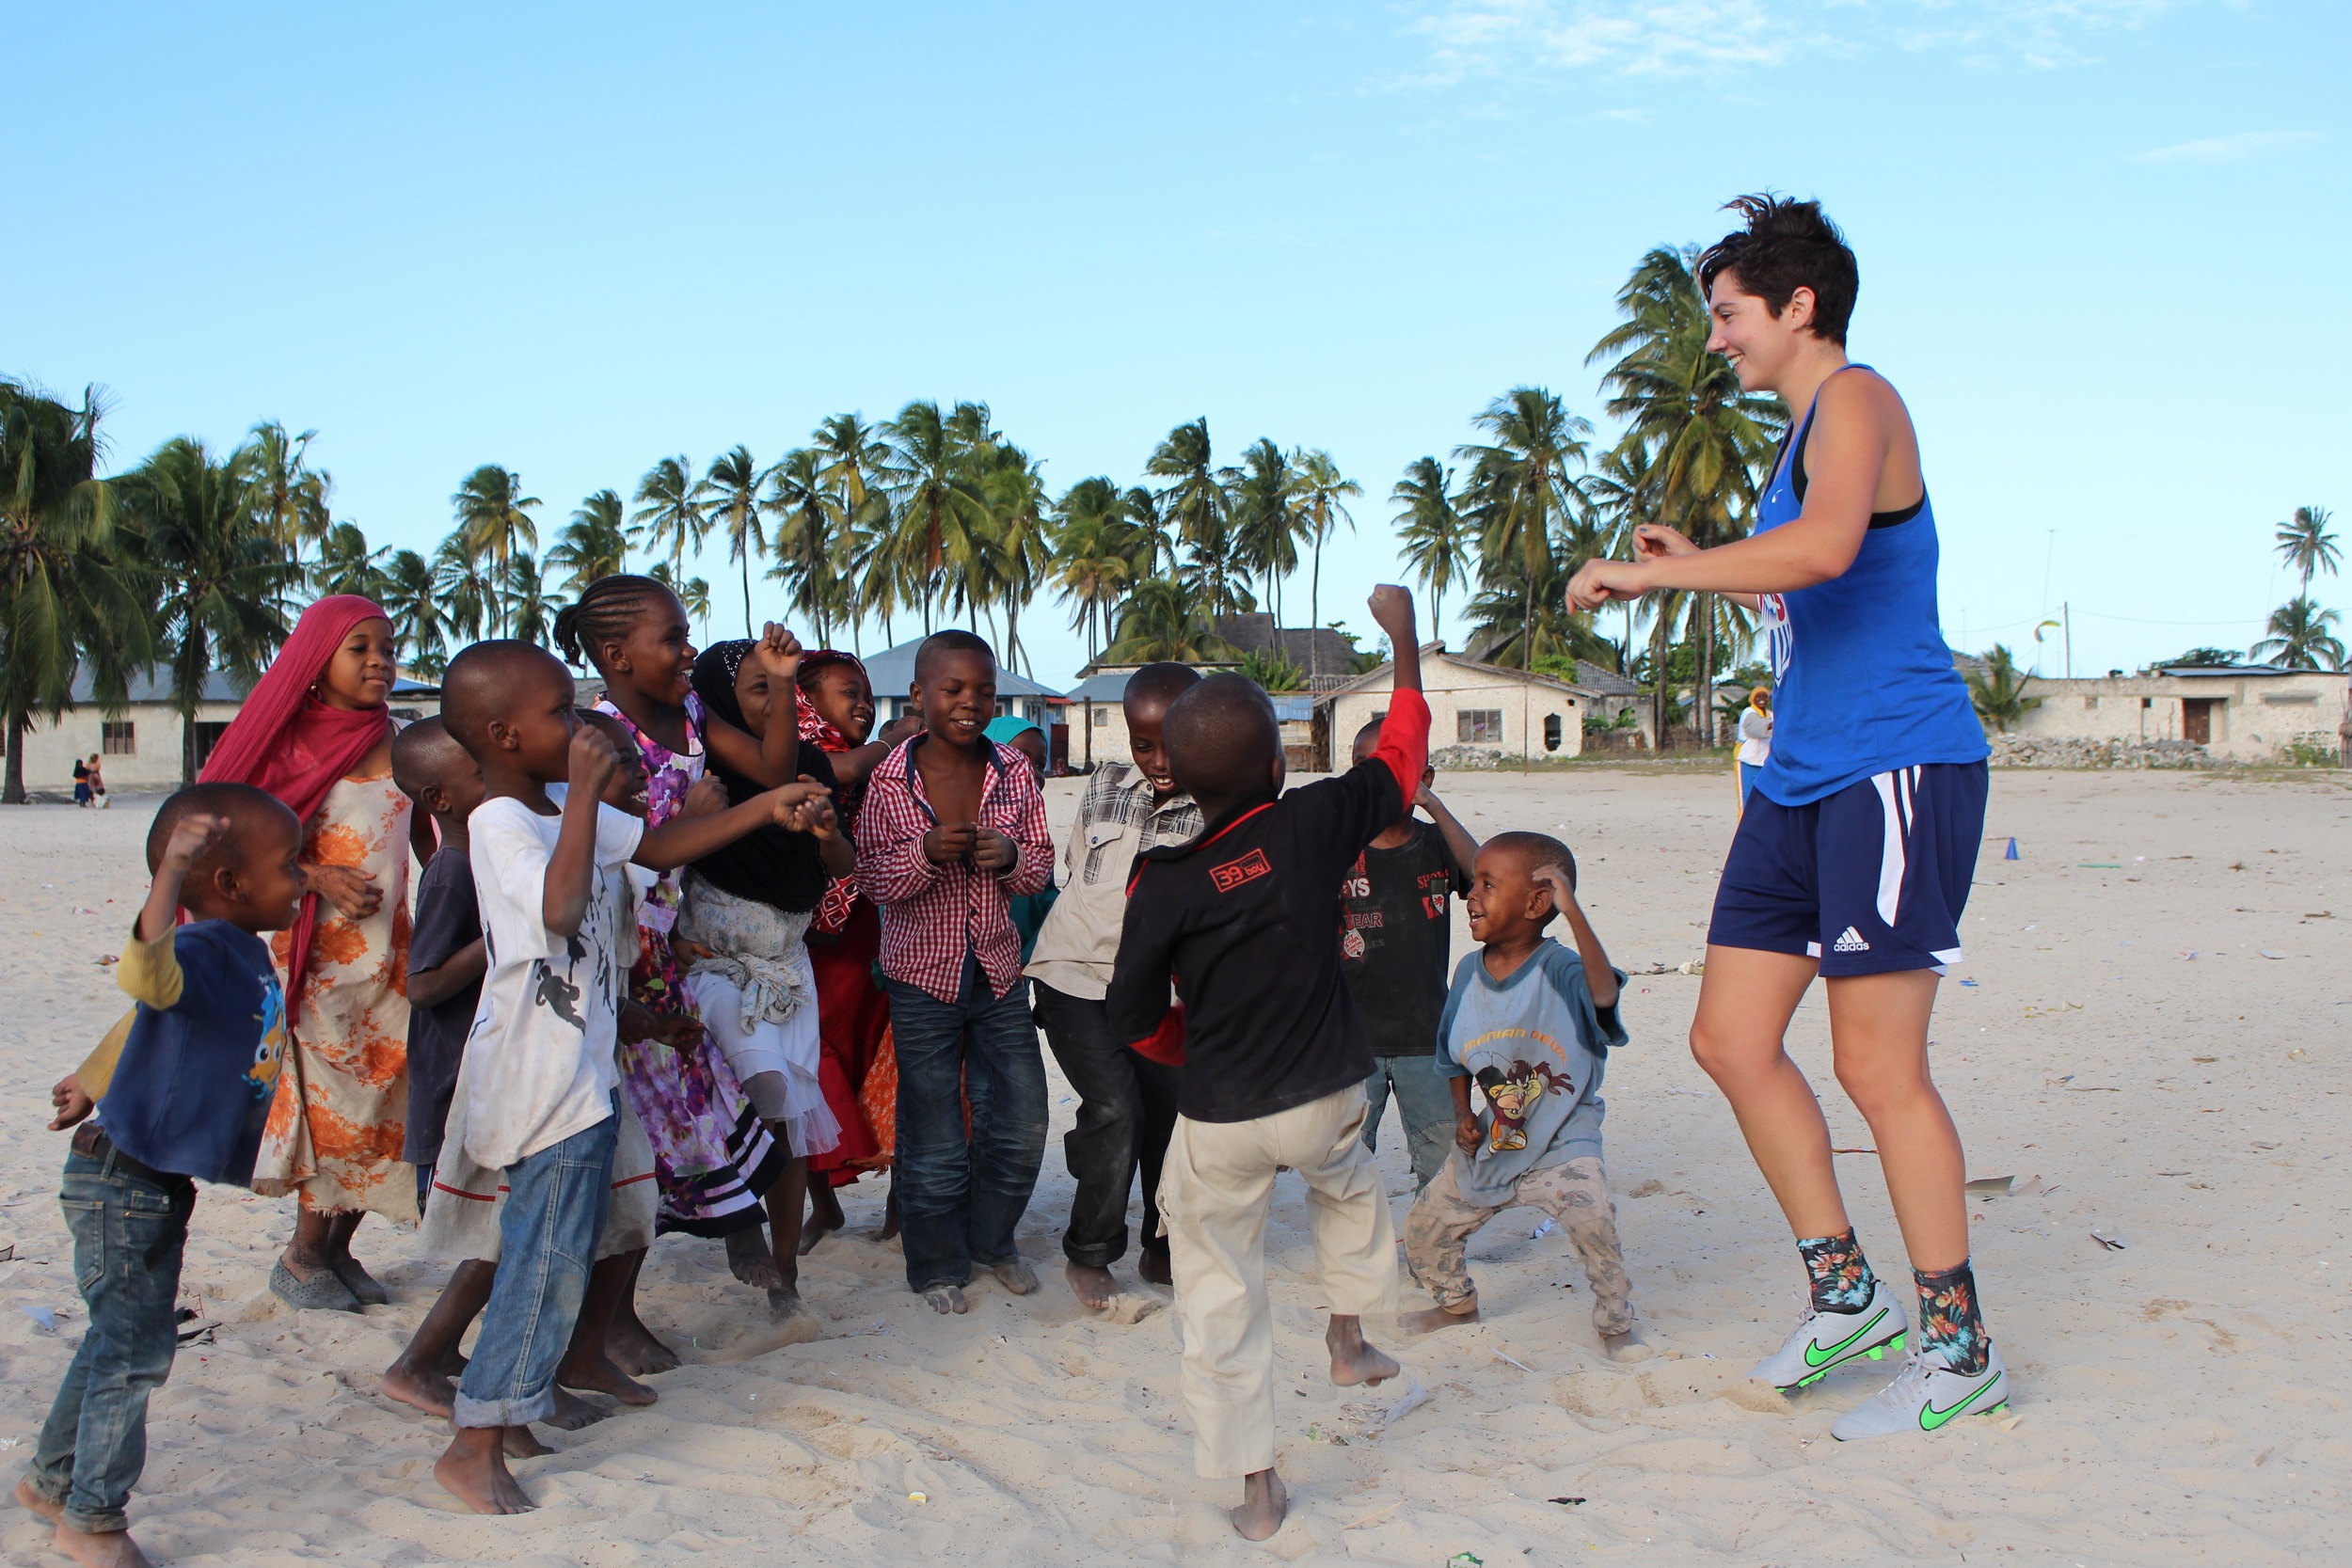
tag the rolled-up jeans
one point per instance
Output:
(1126, 1111)
(555, 1204)
(130, 1225)
(961, 1196)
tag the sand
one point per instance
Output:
(2175, 1402)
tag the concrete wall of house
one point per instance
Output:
(2252, 717)
(1466, 702)
(144, 757)
(1098, 734)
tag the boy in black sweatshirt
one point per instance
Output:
(1245, 921)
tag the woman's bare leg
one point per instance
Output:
(1740, 1038)
(1878, 1026)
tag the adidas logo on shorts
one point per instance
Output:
(1850, 941)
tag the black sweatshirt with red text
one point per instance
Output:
(1246, 922)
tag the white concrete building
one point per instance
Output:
(1508, 713)
(2245, 713)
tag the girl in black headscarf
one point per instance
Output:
(745, 919)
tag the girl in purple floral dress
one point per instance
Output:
(714, 1157)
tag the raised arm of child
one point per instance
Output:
(690, 838)
(1458, 842)
(1600, 978)
(775, 758)
(1405, 733)
(572, 867)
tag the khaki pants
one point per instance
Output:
(1575, 1192)
(1215, 1193)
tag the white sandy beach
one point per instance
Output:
(2155, 1037)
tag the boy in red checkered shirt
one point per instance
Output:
(952, 828)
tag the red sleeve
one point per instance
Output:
(1405, 742)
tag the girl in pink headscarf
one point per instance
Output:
(317, 733)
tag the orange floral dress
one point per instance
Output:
(335, 1130)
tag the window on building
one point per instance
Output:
(1476, 724)
(1551, 731)
(117, 738)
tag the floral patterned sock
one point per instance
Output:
(1949, 1324)
(1841, 1275)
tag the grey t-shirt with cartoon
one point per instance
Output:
(1537, 1045)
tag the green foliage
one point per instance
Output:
(1436, 536)
(594, 544)
(1167, 618)
(494, 522)
(1273, 672)
(2302, 637)
(2306, 543)
(2201, 658)
(1999, 692)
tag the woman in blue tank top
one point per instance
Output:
(1853, 858)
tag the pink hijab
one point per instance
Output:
(288, 743)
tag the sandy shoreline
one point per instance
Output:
(2175, 1401)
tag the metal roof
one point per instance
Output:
(1108, 686)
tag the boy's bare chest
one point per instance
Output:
(951, 784)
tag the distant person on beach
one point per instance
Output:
(184, 1103)
(1396, 909)
(1126, 1101)
(1756, 740)
(1854, 857)
(81, 780)
(317, 734)
(1532, 1024)
(1242, 922)
(97, 784)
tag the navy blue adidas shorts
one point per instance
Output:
(1869, 880)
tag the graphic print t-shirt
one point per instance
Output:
(1395, 929)
(541, 1048)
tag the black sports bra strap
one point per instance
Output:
(1796, 460)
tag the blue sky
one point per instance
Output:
(573, 239)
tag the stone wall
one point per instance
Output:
(2021, 750)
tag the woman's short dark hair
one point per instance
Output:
(1787, 245)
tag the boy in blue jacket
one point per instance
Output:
(1532, 1025)
(186, 1103)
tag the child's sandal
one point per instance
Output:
(321, 1292)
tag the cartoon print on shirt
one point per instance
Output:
(271, 1052)
(1513, 1096)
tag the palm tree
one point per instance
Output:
(1624, 492)
(494, 518)
(1013, 489)
(1524, 483)
(1272, 671)
(1091, 557)
(461, 590)
(594, 544)
(1266, 516)
(1321, 488)
(2307, 546)
(523, 604)
(67, 596)
(1196, 505)
(666, 515)
(942, 523)
(1999, 693)
(1215, 568)
(293, 495)
(1166, 619)
(730, 499)
(1435, 535)
(693, 594)
(346, 564)
(215, 556)
(409, 597)
(2301, 637)
(810, 524)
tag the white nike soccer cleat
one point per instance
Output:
(1924, 1395)
(1826, 1340)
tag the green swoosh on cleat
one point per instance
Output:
(1815, 1355)
(1930, 1417)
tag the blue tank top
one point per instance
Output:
(1862, 682)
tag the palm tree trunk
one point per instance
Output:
(1659, 692)
(746, 554)
(1315, 618)
(12, 791)
(1703, 691)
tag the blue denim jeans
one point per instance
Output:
(555, 1204)
(128, 1232)
(1425, 1103)
(960, 1197)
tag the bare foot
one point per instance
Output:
(635, 1350)
(426, 1390)
(1352, 1360)
(1152, 1267)
(597, 1374)
(889, 1232)
(34, 1502)
(520, 1442)
(473, 1470)
(1016, 1275)
(752, 1261)
(824, 1214)
(946, 1299)
(796, 1320)
(1093, 1287)
(1264, 1501)
(571, 1413)
(111, 1550)
(1630, 1346)
(1436, 1317)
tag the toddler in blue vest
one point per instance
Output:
(1532, 1024)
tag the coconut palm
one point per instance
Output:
(1013, 489)
(293, 495)
(346, 564)
(849, 457)
(70, 594)
(408, 596)
(1435, 534)
(1320, 490)
(1267, 518)
(1623, 488)
(693, 594)
(667, 520)
(214, 555)
(524, 607)
(461, 590)
(494, 517)
(1999, 692)
(2301, 637)
(1196, 504)
(1166, 617)
(1272, 671)
(941, 524)
(730, 499)
(1216, 570)
(1525, 481)
(594, 544)
(2307, 546)
(1092, 554)
(811, 521)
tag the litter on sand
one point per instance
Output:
(45, 1316)
(1992, 1186)
(1415, 1397)
(2110, 1237)
(2010, 853)
(1567, 1502)
(1502, 1355)
(8, 1252)
(918, 1496)
(1542, 1230)
(1465, 1560)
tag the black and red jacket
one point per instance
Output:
(1245, 921)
